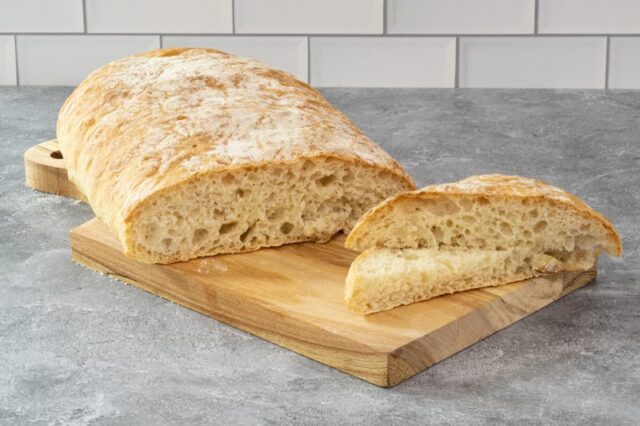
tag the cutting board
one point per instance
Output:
(293, 296)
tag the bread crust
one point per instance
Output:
(151, 122)
(514, 187)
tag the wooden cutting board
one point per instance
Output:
(292, 296)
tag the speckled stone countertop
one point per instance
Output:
(77, 347)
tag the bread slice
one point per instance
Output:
(482, 231)
(185, 153)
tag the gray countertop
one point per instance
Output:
(78, 347)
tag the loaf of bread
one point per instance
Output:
(185, 153)
(482, 231)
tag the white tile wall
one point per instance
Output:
(41, 16)
(309, 16)
(528, 62)
(288, 53)
(624, 63)
(460, 16)
(67, 59)
(7, 61)
(161, 16)
(383, 62)
(589, 16)
(403, 43)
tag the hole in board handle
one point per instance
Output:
(56, 154)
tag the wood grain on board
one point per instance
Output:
(44, 170)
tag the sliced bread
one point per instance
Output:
(482, 231)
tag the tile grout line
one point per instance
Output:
(536, 11)
(606, 64)
(15, 55)
(84, 15)
(308, 60)
(233, 16)
(391, 35)
(384, 16)
(161, 40)
(456, 81)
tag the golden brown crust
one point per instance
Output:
(485, 185)
(148, 122)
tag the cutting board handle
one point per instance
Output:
(44, 170)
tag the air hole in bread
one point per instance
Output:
(228, 179)
(540, 226)
(286, 228)
(225, 228)
(199, 235)
(440, 207)
(245, 234)
(437, 232)
(326, 180)
(505, 229)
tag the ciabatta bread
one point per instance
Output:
(481, 231)
(193, 152)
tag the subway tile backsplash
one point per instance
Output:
(7, 61)
(589, 16)
(309, 16)
(50, 16)
(359, 43)
(159, 16)
(624, 66)
(383, 61)
(460, 16)
(515, 62)
(67, 59)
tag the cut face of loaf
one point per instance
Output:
(509, 221)
(383, 278)
(192, 152)
(492, 212)
(243, 210)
